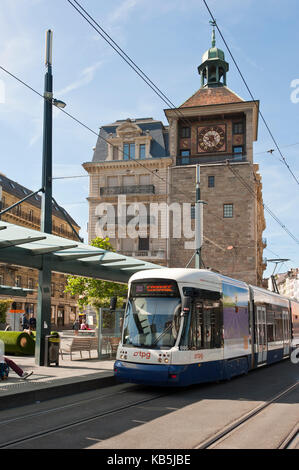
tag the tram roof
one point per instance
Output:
(209, 279)
(26, 247)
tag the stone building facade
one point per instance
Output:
(287, 283)
(215, 129)
(63, 306)
(132, 165)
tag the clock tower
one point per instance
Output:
(216, 129)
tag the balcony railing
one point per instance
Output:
(143, 220)
(159, 254)
(116, 190)
(216, 158)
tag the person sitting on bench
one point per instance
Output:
(17, 369)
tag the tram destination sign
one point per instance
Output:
(155, 289)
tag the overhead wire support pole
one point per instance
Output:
(198, 221)
(68, 221)
(43, 324)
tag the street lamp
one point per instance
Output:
(59, 104)
(43, 325)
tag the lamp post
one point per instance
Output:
(43, 324)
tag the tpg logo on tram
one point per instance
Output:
(142, 354)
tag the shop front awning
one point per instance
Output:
(15, 291)
(26, 247)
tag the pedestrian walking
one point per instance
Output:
(32, 323)
(76, 327)
(25, 322)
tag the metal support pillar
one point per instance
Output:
(198, 221)
(43, 327)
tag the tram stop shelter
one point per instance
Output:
(45, 252)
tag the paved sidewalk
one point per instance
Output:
(78, 375)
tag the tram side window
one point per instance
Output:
(206, 325)
(278, 326)
(270, 326)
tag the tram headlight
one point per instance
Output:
(166, 360)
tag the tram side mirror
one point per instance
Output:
(186, 306)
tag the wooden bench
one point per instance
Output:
(79, 345)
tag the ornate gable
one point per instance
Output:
(128, 130)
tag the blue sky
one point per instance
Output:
(166, 39)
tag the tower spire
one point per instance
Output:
(213, 68)
(213, 24)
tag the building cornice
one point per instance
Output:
(97, 167)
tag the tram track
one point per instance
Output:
(73, 424)
(119, 402)
(245, 419)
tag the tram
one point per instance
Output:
(188, 326)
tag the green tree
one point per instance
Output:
(94, 291)
(4, 305)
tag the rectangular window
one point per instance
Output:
(192, 211)
(211, 181)
(142, 155)
(185, 154)
(143, 244)
(129, 151)
(238, 128)
(238, 152)
(18, 281)
(61, 291)
(30, 283)
(128, 180)
(112, 181)
(145, 180)
(228, 211)
(186, 132)
(238, 149)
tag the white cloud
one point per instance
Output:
(87, 75)
(121, 13)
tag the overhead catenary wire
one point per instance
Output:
(78, 121)
(96, 26)
(246, 185)
(251, 95)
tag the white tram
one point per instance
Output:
(187, 326)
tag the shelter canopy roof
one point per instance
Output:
(30, 248)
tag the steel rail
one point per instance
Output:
(78, 422)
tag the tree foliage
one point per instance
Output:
(94, 291)
(4, 306)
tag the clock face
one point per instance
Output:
(211, 139)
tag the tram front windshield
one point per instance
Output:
(152, 315)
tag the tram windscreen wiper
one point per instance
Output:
(162, 334)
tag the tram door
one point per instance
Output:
(286, 332)
(261, 335)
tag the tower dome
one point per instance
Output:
(214, 68)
